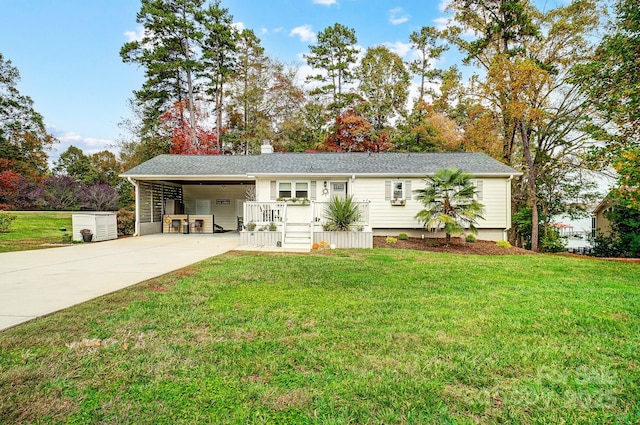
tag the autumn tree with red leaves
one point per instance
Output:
(355, 134)
(183, 141)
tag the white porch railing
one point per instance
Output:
(264, 213)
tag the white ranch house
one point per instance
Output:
(280, 198)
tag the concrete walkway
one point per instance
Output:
(40, 282)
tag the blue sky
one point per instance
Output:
(67, 51)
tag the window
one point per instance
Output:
(289, 190)
(479, 188)
(397, 190)
(284, 190)
(301, 190)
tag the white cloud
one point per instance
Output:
(136, 35)
(325, 2)
(397, 16)
(88, 145)
(277, 30)
(239, 26)
(264, 31)
(400, 48)
(72, 138)
(304, 32)
(305, 71)
(442, 23)
(442, 6)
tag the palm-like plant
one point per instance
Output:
(341, 213)
(449, 201)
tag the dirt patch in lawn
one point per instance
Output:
(456, 246)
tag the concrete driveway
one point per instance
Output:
(35, 283)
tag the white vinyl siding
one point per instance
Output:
(493, 195)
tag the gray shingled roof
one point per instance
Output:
(393, 163)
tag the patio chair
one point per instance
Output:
(198, 225)
(175, 226)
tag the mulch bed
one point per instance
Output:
(456, 246)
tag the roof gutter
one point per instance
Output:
(187, 177)
(365, 175)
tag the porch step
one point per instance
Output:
(298, 227)
(297, 236)
(302, 237)
(297, 246)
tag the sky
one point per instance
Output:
(67, 51)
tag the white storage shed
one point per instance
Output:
(103, 225)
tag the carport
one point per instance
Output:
(191, 193)
(200, 205)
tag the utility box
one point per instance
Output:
(103, 225)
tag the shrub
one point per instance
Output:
(5, 221)
(470, 238)
(551, 241)
(251, 226)
(606, 246)
(503, 244)
(61, 193)
(341, 214)
(391, 240)
(99, 197)
(126, 218)
(403, 237)
(272, 227)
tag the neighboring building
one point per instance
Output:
(600, 224)
(291, 189)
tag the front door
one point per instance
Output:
(339, 189)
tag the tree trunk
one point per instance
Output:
(192, 111)
(218, 97)
(533, 197)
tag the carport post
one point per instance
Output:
(137, 204)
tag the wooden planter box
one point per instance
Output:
(260, 238)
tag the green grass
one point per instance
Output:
(363, 337)
(35, 230)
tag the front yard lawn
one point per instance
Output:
(364, 337)
(36, 230)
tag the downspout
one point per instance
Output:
(137, 204)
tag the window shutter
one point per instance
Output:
(407, 190)
(312, 191)
(387, 190)
(274, 190)
(479, 187)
